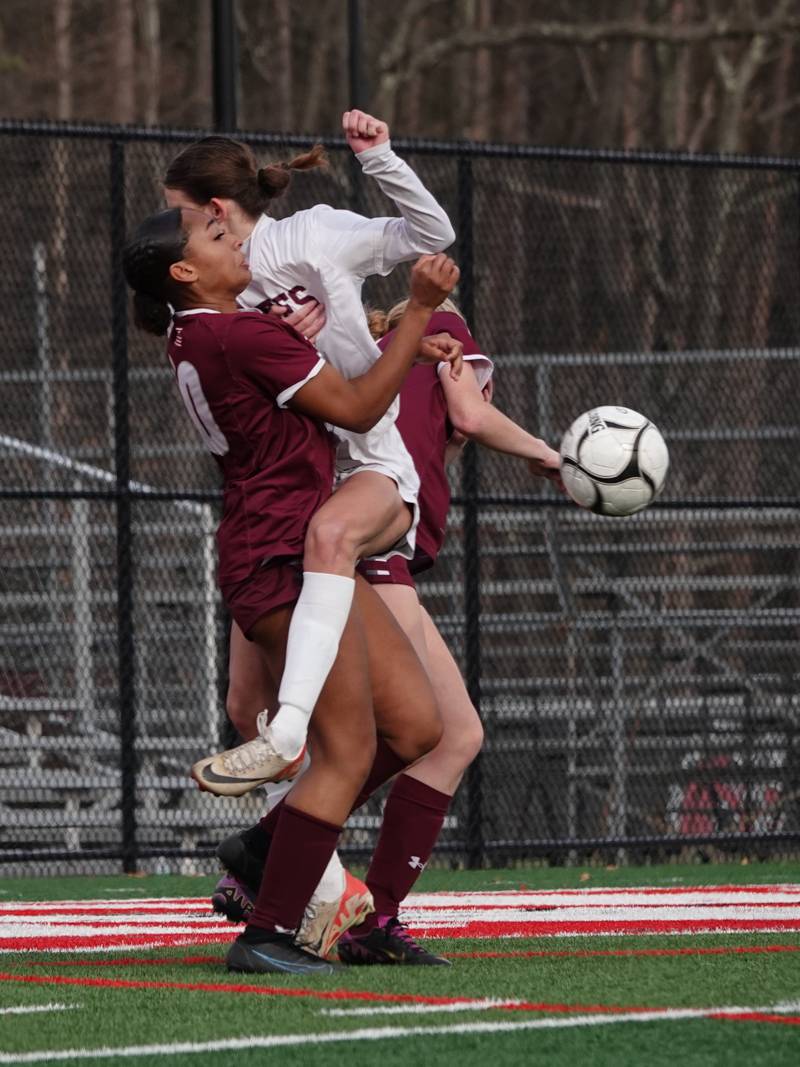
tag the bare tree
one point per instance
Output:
(124, 51)
(150, 19)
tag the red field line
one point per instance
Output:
(722, 950)
(320, 994)
(468, 930)
(126, 961)
(100, 941)
(756, 1017)
(583, 905)
(535, 928)
(115, 915)
(169, 908)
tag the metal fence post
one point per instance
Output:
(469, 492)
(225, 65)
(125, 648)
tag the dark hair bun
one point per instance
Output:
(273, 179)
(151, 314)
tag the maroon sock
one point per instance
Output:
(269, 821)
(385, 766)
(412, 820)
(300, 850)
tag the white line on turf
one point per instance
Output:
(382, 1033)
(421, 1009)
(30, 1009)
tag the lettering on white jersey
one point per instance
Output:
(291, 300)
(196, 404)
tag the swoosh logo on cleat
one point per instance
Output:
(287, 965)
(208, 775)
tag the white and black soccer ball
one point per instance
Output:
(613, 461)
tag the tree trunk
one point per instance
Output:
(124, 54)
(151, 32)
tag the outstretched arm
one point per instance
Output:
(359, 403)
(376, 246)
(473, 417)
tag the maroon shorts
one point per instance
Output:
(272, 586)
(392, 571)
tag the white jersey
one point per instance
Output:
(326, 254)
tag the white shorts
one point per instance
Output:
(382, 450)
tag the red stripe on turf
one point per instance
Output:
(99, 941)
(319, 994)
(134, 908)
(723, 950)
(757, 1017)
(468, 930)
(513, 906)
(125, 961)
(534, 928)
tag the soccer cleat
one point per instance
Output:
(238, 770)
(389, 943)
(243, 855)
(263, 952)
(324, 921)
(232, 899)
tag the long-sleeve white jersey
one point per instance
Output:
(327, 253)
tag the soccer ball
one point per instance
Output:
(613, 461)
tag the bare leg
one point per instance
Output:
(406, 713)
(365, 515)
(443, 767)
(251, 687)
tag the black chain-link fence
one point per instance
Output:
(637, 678)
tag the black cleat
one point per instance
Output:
(262, 952)
(233, 899)
(390, 943)
(243, 855)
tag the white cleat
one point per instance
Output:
(238, 770)
(325, 921)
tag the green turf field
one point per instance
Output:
(574, 999)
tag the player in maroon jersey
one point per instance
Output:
(260, 396)
(325, 254)
(433, 413)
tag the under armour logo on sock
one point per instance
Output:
(416, 863)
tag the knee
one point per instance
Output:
(329, 543)
(464, 740)
(428, 733)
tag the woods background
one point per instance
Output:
(637, 679)
(700, 75)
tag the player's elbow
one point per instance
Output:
(468, 419)
(440, 238)
(359, 421)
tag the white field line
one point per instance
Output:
(82, 925)
(31, 1009)
(643, 895)
(618, 913)
(421, 1009)
(383, 1033)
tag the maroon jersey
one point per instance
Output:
(425, 429)
(236, 373)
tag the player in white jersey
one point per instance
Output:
(321, 254)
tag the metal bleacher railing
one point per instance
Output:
(637, 679)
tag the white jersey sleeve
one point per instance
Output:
(375, 246)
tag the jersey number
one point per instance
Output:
(199, 412)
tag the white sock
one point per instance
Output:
(331, 884)
(318, 621)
